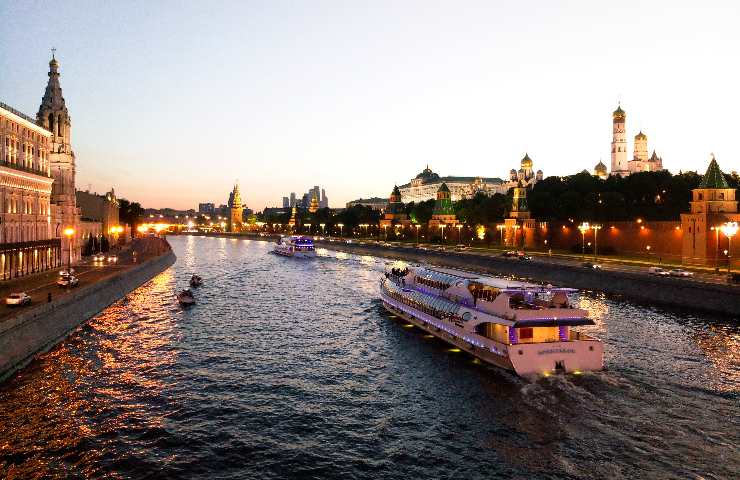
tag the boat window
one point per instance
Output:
(467, 316)
(480, 291)
(526, 333)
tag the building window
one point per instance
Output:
(701, 196)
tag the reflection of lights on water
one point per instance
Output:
(342, 255)
(454, 350)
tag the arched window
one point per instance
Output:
(59, 126)
(51, 122)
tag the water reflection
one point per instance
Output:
(287, 369)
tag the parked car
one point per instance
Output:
(525, 258)
(592, 266)
(18, 299)
(510, 253)
(99, 257)
(658, 271)
(680, 272)
(113, 258)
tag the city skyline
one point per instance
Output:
(467, 93)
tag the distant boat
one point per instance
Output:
(196, 281)
(186, 298)
(295, 246)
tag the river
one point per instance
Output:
(291, 369)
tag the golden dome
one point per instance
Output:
(526, 161)
(640, 136)
(619, 113)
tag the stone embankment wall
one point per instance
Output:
(42, 327)
(664, 291)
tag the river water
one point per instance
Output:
(291, 369)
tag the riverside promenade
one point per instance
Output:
(29, 330)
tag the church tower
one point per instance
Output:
(53, 116)
(619, 143)
(236, 209)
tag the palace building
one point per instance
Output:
(27, 239)
(425, 185)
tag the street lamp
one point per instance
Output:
(417, 226)
(308, 226)
(459, 232)
(583, 227)
(322, 225)
(68, 232)
(716, 248)
(500, 227)
(729, 229)
(341, 226)
(596, 229)
(442, 227)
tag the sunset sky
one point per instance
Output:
(171, 102)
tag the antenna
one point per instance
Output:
(53, 51)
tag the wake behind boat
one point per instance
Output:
(295, 246)
(525, 328)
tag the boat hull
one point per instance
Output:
(285, 253)
(524, 359)
(484, 355)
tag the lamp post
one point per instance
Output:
(716, 248)
(729, 229)
(68, 232)
(513, 240)
(459, 232)
(596, 229)
(501, 228)
(322, 225)
(583, 228)
(308, 226)
(341, 226)
(417, 226)
(442, 228)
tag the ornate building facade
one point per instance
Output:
(712, 204)
(54, 117)
(26, 236)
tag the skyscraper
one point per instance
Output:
(292, 199)
(286, 202)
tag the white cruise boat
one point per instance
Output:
(523, 328)
(295, 246)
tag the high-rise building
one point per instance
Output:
(206, 208)
(286, 202)
(292, 199)
(324, 202)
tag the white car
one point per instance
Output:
(98, 257)
(113, 258)
(658, 271)
(680, 272)
(19, 299)
(68, 281)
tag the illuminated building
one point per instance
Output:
(394, 213)
(713, 204)
(444, 211)
(236, 209)
(640, 161)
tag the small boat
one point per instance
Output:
(186, 298)
(524, 328)
(196, 281)
(295, 246)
